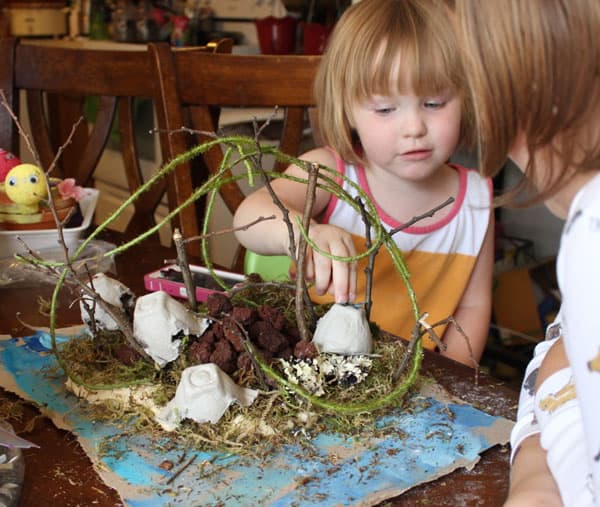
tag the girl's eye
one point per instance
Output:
(385, 110)
(33, 178)
(434, 104)
(12, 181)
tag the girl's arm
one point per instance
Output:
(271, 237)
(531, 482)
(531, 479)
(474, 310)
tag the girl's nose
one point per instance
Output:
(413, 125)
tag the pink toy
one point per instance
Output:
(7, 162)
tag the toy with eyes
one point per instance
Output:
(25, 185)
(24, 200)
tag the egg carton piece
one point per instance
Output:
(158, 323)
(204, 394)
(113, 292)
(344, 330)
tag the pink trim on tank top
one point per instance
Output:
(388, 220)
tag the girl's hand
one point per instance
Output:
(335, 277)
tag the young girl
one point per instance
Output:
(534, 72)
(389, 103)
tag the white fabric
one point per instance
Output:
(559, 417)
(460, 231)
(578, 270)
(527, 423)
(572, 435)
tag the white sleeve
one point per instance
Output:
(559, 417)
(527, 424)
(578, 269)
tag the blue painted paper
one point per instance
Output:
(434, 439)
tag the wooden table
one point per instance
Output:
(60, 474)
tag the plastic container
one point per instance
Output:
(12, 472)
(170, 280)
(44, 239)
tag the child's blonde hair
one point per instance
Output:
(363, 54)
(534, 65)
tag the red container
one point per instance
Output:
(276, 36)
(314, 38)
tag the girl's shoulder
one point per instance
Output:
(589, 194)
(474, 186)
(327, 158)
(322, 155)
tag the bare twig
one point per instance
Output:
(372, 255)
(427, 214)
(262, 380)
(415, 337)
(51, 205)
(285, 215)
(178, 473)
(229, 230)
(453, 321)
(62, 147)
(313, 175)
(184, 266)
(417, 334)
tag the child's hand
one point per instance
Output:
(336, 277)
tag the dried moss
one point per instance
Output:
(277, 417)
(93, 359)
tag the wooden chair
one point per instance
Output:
(195, 88)
(56, 82)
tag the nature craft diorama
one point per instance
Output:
(255, 366)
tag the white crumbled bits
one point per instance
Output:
(344, 329)
(315, 375)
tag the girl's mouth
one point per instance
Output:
(417, 154)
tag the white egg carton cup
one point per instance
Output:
(40, 240)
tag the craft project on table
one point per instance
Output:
(436, 437)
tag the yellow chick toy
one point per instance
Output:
(25, 185)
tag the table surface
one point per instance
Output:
(60, 474)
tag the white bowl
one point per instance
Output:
(43, 239)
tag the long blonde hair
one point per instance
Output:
(534, 65)
(364, 50)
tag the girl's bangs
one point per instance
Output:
(407, 67)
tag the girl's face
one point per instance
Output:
(408, 136)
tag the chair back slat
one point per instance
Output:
(8, 134)
(195, 88)
(94, 142)
(40, 136)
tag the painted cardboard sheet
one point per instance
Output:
(438, 436)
